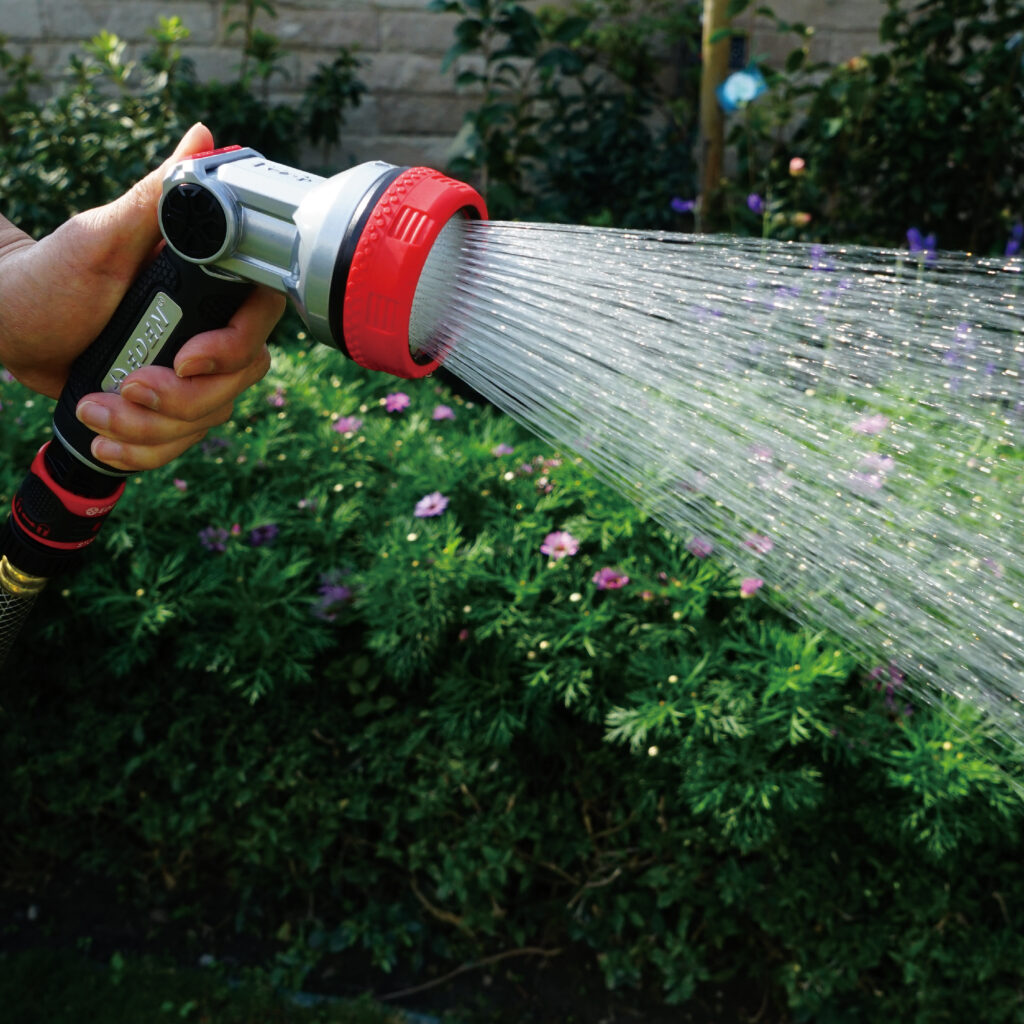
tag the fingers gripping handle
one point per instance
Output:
(66, 495)
(170, 302)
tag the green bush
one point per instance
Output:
(926, 132)
(60, 987)
(578, 119)
(424, 739)
(112, 121)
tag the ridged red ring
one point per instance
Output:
(387, 264)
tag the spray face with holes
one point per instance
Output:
(349, 250)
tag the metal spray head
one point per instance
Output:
(349, 250)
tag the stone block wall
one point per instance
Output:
(412, 111)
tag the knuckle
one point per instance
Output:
(261, 366)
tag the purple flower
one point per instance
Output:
(332, 595)
(755, 204)
(700, 547)
(396, 401)
(873, 424)
(865, 484)
(559, 544)
(819, 259)
(923, 244)
(260, 536)
(277, 399)
(994, 567)
(502, 449)
(875, 463)
(347, 424)
(683, 205)
(181, 485)
(750, 586)
(890, 679)
(609, 579)
(1016, 237)
(759, 543)
(443, 412)
(694, 486)
(214, 538)
(430, 505)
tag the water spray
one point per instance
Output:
(347, 250)
(845, 425)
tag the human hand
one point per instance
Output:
(57, 294)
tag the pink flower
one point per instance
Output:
(871, 424)
(875, 463)
(559, 544)
(181, 485)
(750, 586)
(797, 166)
(396, 401)
(277, 399)
(347, 424)
(609, 579)
(430, 505)
(700, 547)
(694, 486)
(502, 449)
(865, 484)
(759, 543)
(444, 412)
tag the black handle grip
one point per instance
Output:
(170, 302)
(65, 497)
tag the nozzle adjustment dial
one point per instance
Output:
(193, 221)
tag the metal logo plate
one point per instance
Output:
(146, 340)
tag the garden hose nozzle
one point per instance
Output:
(348, 250)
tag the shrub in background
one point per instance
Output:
(112, 121)
(925, 132)
(320, 682)
(586, 113)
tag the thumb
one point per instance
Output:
(131, 219)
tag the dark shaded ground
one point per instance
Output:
(516, 989)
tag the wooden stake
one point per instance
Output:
(715, 68)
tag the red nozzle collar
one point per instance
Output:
(387, 264)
